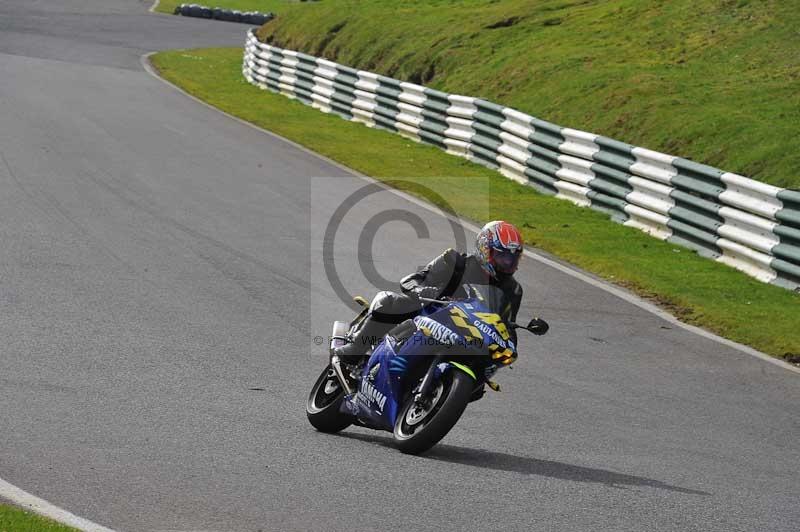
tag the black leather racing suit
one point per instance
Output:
(437, 279)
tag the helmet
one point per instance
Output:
(498, 248)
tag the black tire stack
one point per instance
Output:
(253, 18)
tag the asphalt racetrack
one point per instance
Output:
(161, 288)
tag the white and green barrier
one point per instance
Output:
(749, 225)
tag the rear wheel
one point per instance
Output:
(324, 402)
(419, 427)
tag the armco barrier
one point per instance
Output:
(248, 17)
(749, 225)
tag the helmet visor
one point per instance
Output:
(506, 261)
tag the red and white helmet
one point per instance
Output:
(498, 247)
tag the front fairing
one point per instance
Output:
(381, 389)
(477, 323)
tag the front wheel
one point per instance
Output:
(419, 427)
(324, 402)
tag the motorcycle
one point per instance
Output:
(420, 377)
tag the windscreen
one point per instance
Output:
(492, 297)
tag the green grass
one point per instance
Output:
(13, 519)
(697, 290)
(716, 81)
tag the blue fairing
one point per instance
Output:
(379, 394)
(382, 388)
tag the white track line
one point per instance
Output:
(553, 263)
(154, 6)
(34, 504)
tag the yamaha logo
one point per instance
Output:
(369, 392)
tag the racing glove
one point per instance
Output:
(430, 292)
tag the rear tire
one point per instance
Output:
(417, 430)
(324, 402)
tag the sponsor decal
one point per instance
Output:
(372, 395)
(490, 318)
(490, 332)
(437, 331)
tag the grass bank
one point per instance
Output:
(697, 290)
(13, 519)
(716, 81)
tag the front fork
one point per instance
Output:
(423, 393)
(336, 364)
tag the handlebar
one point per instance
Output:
(435, 301)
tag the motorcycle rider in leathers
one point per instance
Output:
(498, 248)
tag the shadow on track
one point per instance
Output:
(528, 466)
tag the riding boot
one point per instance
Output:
(370, 333)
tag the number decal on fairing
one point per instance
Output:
(460, 320)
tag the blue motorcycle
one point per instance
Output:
(420, 377)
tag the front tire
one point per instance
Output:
(418, 429)
(324, 402)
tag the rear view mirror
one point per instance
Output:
(538, 326)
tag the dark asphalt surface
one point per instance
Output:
(161, 283)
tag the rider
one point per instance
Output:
(498, 248)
